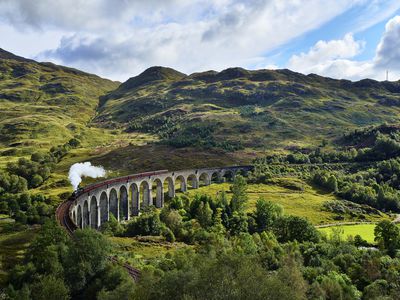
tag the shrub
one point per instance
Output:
(169, 235)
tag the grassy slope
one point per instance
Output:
(44, 105)
(307, 203)
(366, 231)
(262, 109)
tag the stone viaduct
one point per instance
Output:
(125, 196)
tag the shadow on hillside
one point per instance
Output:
(135, 159)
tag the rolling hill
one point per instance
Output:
(240, 109)
(43, 104)
(204, 118)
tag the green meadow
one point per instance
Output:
(366, 231)
(307, 202)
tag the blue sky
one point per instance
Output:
(119, 39)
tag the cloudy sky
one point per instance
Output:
(118, 39)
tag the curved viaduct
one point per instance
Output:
(125, 196)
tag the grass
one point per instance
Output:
(366, 231)
(307, 203)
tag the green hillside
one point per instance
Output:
(203, 119)
(239, 109)
(43, 104)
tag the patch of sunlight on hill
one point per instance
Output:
(366, 231)
(306, 203)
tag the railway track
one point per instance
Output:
(62, 216)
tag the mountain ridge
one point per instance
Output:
(233, 110)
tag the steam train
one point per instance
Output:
(91, 187)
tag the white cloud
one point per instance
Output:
(118, 39)
(121, 38)
(324, 52)
(336, 58)
(388, 50)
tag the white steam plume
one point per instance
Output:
(78, 170)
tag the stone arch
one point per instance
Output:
(85, 214)
(181, 182)
(193, 181)
(228, 175)
(145, 192)
(215, 177)
(114, 203)
(170, 185)
(159, 194)
(74, 217)
(123, 203)
(204, 179)
(93, 212)
(79, 217)
(135, 199)
(241, 172)
(103, 208)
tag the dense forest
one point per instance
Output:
(264, 254)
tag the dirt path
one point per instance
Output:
(343, 223)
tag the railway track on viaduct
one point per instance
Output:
(63, 218)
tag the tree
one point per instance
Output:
(50, 287)
(218, 227)
(20, 217)
(290, 228)
(387, 234)
(13, 205)
(204, 215)
(46, 250)
(334, 286)
(169, 235)
(332, 183)
(112, 227)
(239, 195)
(87, 255)
(4, 207)
(266, 214)
(24, 201)
(112, 283)
(172, 219)
(238, 223)
(147, 223)
(17, 184)
(377, 290)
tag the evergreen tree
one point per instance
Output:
(239, 195)
(204, 214)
